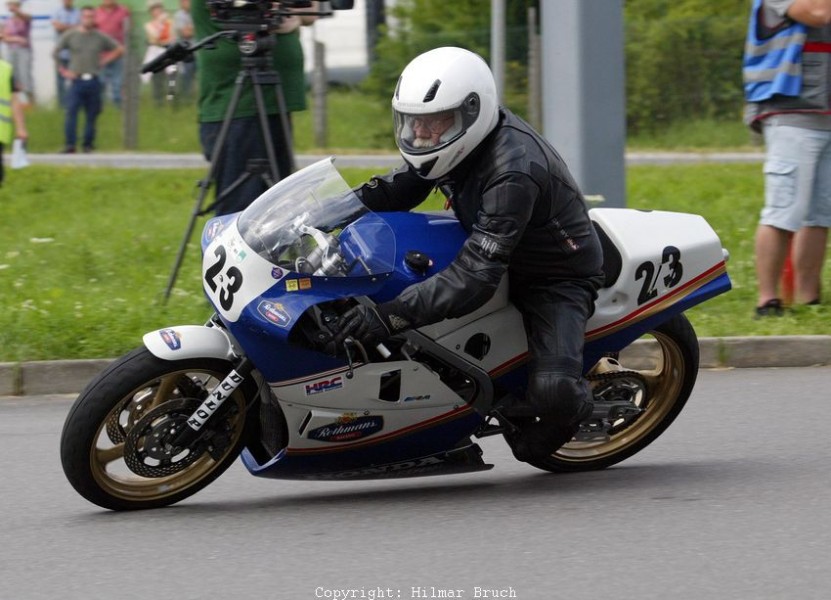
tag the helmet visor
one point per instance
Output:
(426, 133)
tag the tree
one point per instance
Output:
(420, 25)
(683, 57)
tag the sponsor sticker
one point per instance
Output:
(171, 338)
(237, 249)
(325, 385)
(278, 273)
(274, 313)
(213, 230)
(347, 428)
(417, 398)
(293, 285)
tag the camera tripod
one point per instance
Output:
(257, 71)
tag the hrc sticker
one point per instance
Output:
(326, 385)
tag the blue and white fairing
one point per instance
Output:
(305, 241)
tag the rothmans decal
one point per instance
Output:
(347, 428)
(273, 312)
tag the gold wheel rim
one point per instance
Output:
(664, 379)
(107, 457)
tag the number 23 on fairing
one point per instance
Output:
(233, 275)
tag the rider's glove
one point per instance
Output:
(369, 325)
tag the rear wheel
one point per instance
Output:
(117, 446)
(637, 396)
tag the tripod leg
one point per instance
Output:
(273, 78)
(266, 130)
(205, 184)
(183, 246)
(284, 119)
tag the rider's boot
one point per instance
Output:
(540, 439)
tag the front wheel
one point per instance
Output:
(116, 444)
(637, 396)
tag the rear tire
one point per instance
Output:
(670, 369)
(100, 450)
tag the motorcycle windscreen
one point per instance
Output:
(313, 223)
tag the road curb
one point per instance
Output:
(38, 378)
(162, 160)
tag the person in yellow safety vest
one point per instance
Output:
(12, 122)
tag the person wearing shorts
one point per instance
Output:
(788, 86)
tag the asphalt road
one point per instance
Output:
(731, 503)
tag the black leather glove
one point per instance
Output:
(365, 324)
(369, 325)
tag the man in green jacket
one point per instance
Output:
(218, 69)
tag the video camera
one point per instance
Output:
(265, 15)
(249, 22)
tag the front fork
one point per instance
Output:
(212, 403)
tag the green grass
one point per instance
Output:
(86, 254)
(698, 135)
(356, 123)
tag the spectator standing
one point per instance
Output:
(159, 34)
(217, 70)
(17, 39)
(64, 19)
(12, 121)
(89, 52)
(113, 19)
(788, 88)
(183, 32)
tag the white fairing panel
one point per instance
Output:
(665, 256)
(189, 341)
(499, 320)
(379, 400)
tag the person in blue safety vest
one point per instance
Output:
(787, 84)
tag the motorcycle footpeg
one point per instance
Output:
(593, 430)
(505, 426)
(517, 410)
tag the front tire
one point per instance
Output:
(663, 371)
(106, 448)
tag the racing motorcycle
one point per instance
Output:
(257, 380)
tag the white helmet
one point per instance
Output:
(444, 105)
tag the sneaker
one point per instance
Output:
(771, 308)
(88, 149)
(68, 150)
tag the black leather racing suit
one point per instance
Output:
(525, 215)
